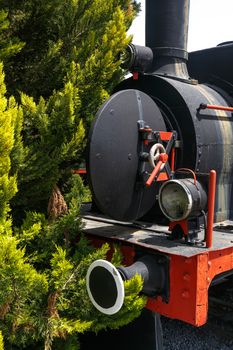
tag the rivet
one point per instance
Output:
(185, 294)
(187, 261)
(186, 277)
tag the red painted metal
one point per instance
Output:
(162, 177)
(188, 290)
(165, 135)
(190, 278)
(79, 171)
(173, 154)
(135, 75)
(154, 173)
(162, 160)
(163, 157)
(220, 108)
(211, 201)
(182, 223)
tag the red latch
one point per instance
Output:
(162, 160)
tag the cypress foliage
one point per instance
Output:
(72, 60)
(1, 342)
(19, 281)
(10, 119)
(9, 45)
(63, 57)
(57, 33)
(43, 299)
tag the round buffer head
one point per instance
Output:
(114, 149)
(105, 287)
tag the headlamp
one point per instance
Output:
(180, 199)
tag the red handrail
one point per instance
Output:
(210, 216)
(220, 108)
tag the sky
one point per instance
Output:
(210, 23)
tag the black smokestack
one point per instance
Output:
(167, 35)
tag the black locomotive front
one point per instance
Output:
(154, 152)
(161, 96)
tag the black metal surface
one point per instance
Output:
(167, 34)
(137, 58)
(114, 155)
(143, 333)
(101, 278)
(213, 65)
(154, 270)
(174, 110)
(206, 136)
(167, 25)
(154, 237)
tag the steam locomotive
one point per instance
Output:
(160, 166)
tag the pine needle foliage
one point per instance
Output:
(10, 146)
(43, 299)
(1, 342)
(68, 308)
(72, 61)
(21, 287)
(53, 139)
(61, 60)
(64, 32)
(9, 45)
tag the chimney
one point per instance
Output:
(167, 36)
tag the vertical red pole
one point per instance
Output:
(211, 201)
(173, 159)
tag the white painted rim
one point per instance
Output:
(119, 285)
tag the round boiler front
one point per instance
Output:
(114, 151)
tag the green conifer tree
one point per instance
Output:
(57, 33)
(43, 299)
(10, 117)
(9, 45)
(19, 281)
(70, 57)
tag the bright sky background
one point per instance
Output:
(210, 23)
